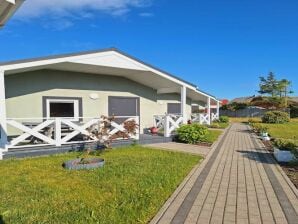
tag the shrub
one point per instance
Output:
(192, 133)
(224, 119)
(294, 111)
(260, 128)
(276, 117)
(253, 120)
(287, 145)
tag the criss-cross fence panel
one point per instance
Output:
(59, 131)
(172, 122)
(116, 127)
(204, 119)
(79, 129)
(214, 116)
(200, 118)
(27, 132)
(159, 121)
(195, 118)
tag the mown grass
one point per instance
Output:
(243, 119)
(132, 186)
(285, 131)
(213, 135)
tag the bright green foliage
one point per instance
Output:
(131, 188)
(260, 128)
(288, 145)
(192, 133)
(224, 119)
(275, 117)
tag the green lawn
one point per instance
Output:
(213, 135)
(131, 188)
(286, 131)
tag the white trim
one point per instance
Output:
(83, 59)
(75, 106)
(77, 59)
(209, 109)
(183, 104)
(11, 1)
(3, 125)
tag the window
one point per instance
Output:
(174, 108)
(62, 107)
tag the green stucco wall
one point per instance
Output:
(24, 94)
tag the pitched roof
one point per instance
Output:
(59, 56)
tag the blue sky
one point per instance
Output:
(223, 46)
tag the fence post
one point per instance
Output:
(58, 131)
(167, 132)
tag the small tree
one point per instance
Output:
(101, 131)
(268, 85)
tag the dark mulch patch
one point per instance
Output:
(290, 169)
(269, 146)
(292, 172)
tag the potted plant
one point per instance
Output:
(154, 130)
(285, 150)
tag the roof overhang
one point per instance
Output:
(112, 63)
(7, 9)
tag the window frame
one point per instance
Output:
(77, 103)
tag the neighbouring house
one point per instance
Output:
(50, 100)
(224, 102)
(7, 9)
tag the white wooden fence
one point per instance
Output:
(168, 122)
(60, 131)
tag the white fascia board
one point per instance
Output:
(204, 94)
(11, 1)
(43, 62)
(78, 58)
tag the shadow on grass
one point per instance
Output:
(1, 220)
(260, 157)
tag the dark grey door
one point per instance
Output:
(174, 108)
(124, 106)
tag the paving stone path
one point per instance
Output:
(238, 182)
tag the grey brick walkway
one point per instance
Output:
(238, 182)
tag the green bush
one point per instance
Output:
(260, 128)
(253, 120)
(224, 119)
(287, 145)
(275, 117)
(294, 111)
(192, 133)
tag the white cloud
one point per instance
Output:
(69, 8)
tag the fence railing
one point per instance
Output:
(30, 132)
(200, 118)
(168, 122)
